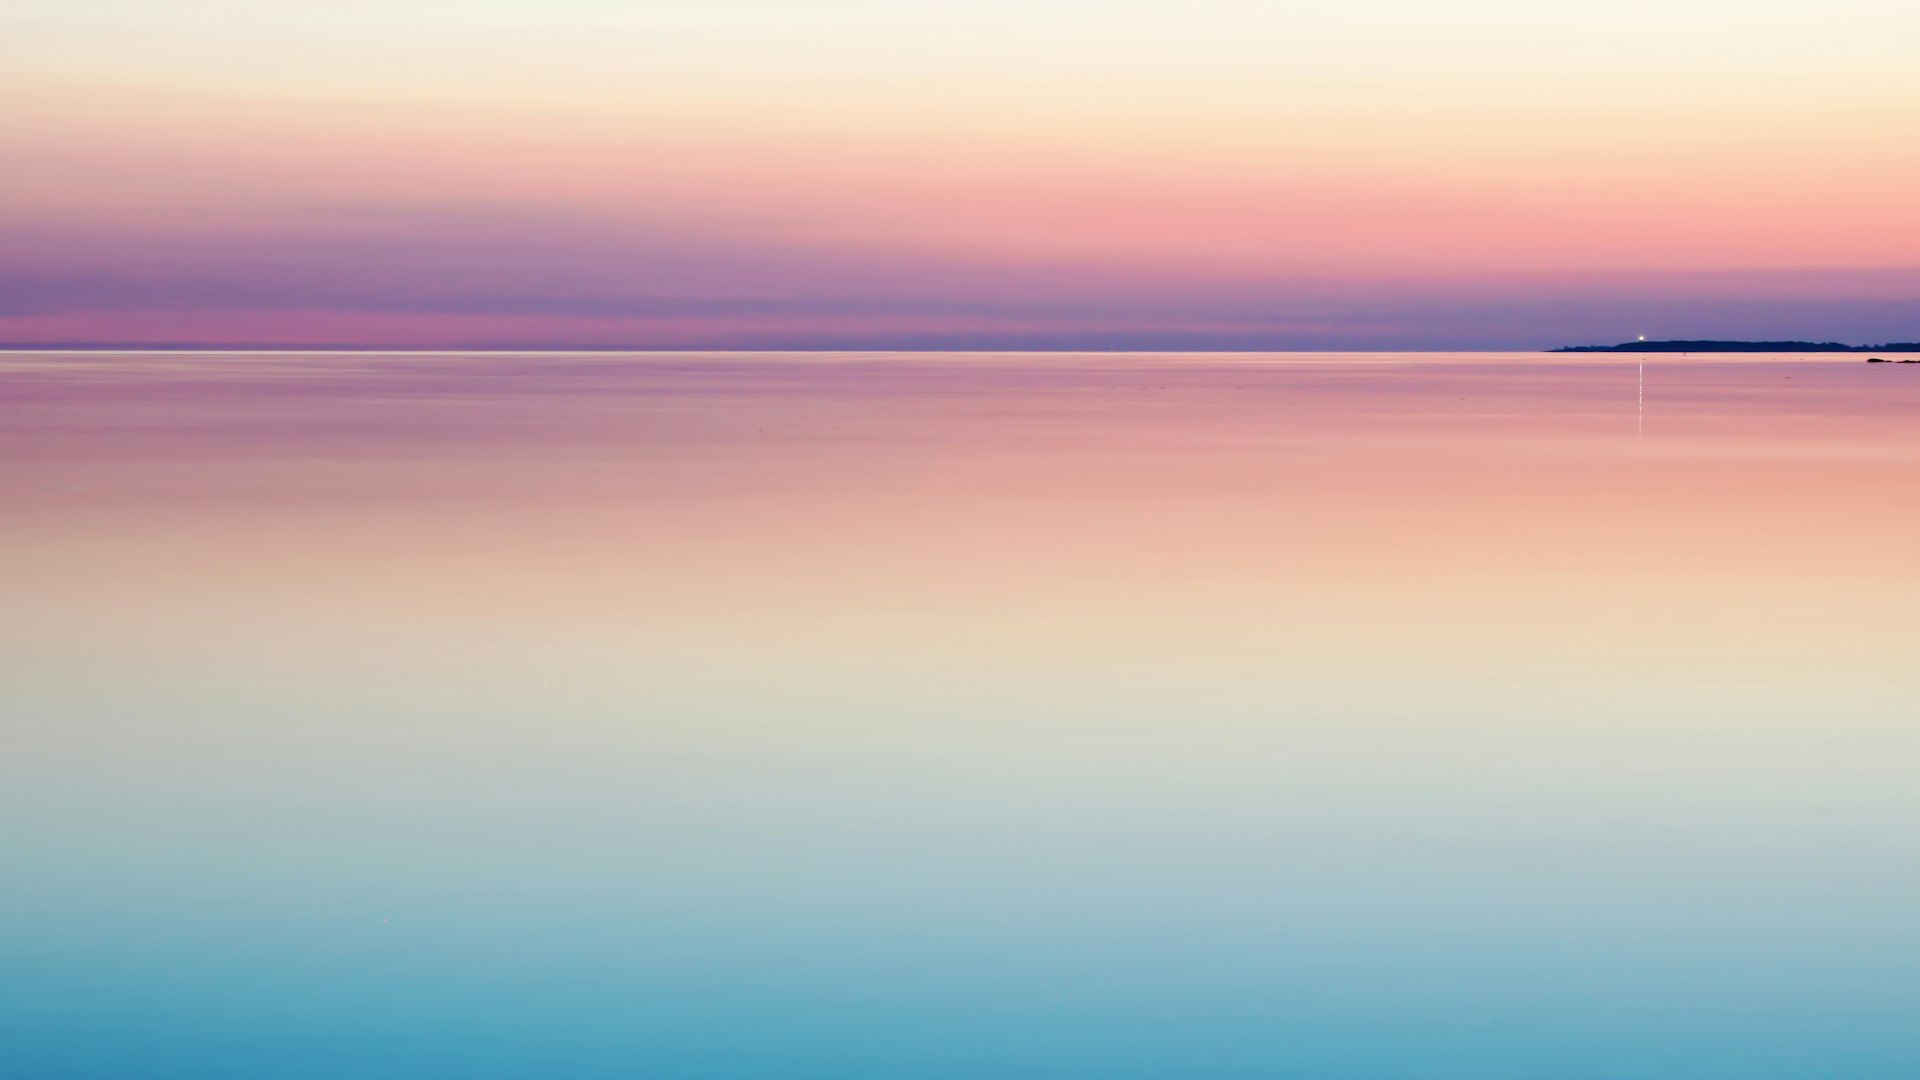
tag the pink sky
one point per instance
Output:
(1054, 174)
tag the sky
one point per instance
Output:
(991, 174)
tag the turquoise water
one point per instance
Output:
(746, 716)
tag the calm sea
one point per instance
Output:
(741, 716)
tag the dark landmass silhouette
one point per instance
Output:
(1742, 346)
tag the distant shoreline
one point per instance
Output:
(1741, 347)
(1702, 346)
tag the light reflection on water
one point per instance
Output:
(934, 715)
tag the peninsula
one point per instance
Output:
(1741, 346)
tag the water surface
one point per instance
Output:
(859, 715)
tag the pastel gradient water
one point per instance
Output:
(958, 715)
